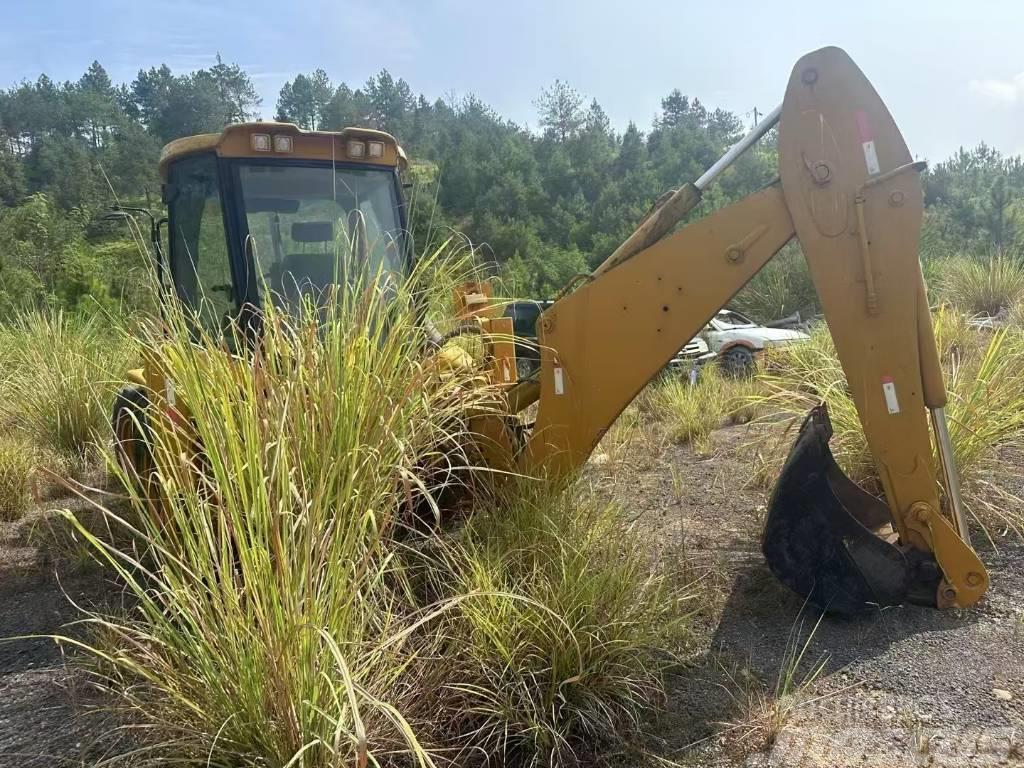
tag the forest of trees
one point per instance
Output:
(542, 204)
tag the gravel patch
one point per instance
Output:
(905, 686)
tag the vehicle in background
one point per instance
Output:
(738, 340)
(691, 357)
(524, 316)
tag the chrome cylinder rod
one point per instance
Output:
(949, 472)
(739, 148)
(670, 210)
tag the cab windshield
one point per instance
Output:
(310, 226)
(292, 232)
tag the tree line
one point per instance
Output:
(543, 204)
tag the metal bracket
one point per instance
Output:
(735, 252)
(865, 247)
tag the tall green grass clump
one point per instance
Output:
(990, 287)
(60, 373)
(691, 412)
(292, 609)
(564, 647)
(273, 624)
(984, 374)
(17, 464)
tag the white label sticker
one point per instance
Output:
(559, 383)
(889, 389)
(505, 371)
(169, 393)
(871, 157)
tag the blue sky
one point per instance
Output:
(951, 72)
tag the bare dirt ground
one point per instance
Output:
(908, 686)
(50, 715)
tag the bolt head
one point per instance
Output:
(920, 512)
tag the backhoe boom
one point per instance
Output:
(849, 191)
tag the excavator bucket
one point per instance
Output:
(824, 536)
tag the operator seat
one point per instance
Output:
(310, 272)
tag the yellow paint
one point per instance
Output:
(857, 212)
(235, 141)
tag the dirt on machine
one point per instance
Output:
(253, 213)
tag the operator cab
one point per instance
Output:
(269, 211)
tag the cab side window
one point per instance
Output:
(200, 265)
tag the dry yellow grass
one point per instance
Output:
(984, 374)
(17, 464)
(691, 412)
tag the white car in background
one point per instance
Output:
(738, 340)
(693, 355)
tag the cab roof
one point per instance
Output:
(237, 141)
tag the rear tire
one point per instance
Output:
(738, 361)
(132, 435)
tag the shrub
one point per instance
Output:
(61, 372)
(17, 462)
(990, 287)
(46, 259)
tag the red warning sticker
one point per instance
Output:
(867, 139)
(864, 127)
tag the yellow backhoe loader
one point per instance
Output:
(848, 190)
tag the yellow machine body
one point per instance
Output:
(849, 192)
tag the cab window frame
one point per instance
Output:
(174, 254)
(239, 231)
(244, 296)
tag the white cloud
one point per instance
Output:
(1009, 91)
